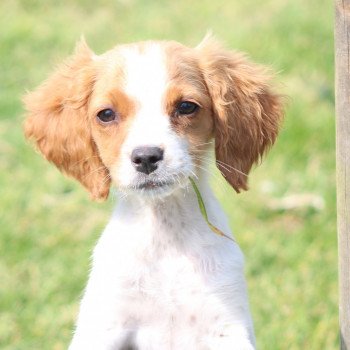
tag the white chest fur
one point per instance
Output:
(161, 279)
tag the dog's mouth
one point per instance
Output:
(150, 185)
(155, 186)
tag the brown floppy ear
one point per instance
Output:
(247, 113)
(58, 122)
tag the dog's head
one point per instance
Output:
(142, 115)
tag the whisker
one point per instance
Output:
(219, 179)
(193, 173)
(208, 161)
(203, 144)
(88, 158)
(105, 179)
(93, 171)
(228, 166)
(222, 164)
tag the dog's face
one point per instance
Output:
(150, 116)
(143, 115)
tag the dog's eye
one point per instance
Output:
(106, 115)
(186, 107)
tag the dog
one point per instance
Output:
(145, 117)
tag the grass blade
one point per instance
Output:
(204, 211)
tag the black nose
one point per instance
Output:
(145, 159)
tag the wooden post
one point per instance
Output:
(342, 95)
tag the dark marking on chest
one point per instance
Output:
(129, 342)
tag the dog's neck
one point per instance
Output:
(171, 223)
(178, 208)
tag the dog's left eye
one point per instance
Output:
(186, 107)
(106, 115)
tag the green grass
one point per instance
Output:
(49, 226)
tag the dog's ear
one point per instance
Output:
(58, 122)
(247, 114)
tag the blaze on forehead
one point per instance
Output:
(151, 69)
(145, 69)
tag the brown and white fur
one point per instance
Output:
(161, 278)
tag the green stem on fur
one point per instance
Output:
(204, 211)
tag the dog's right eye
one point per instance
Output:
(186, 108)
(106, 115)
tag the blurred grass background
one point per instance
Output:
(48, 226)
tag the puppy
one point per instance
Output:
(143, 117)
